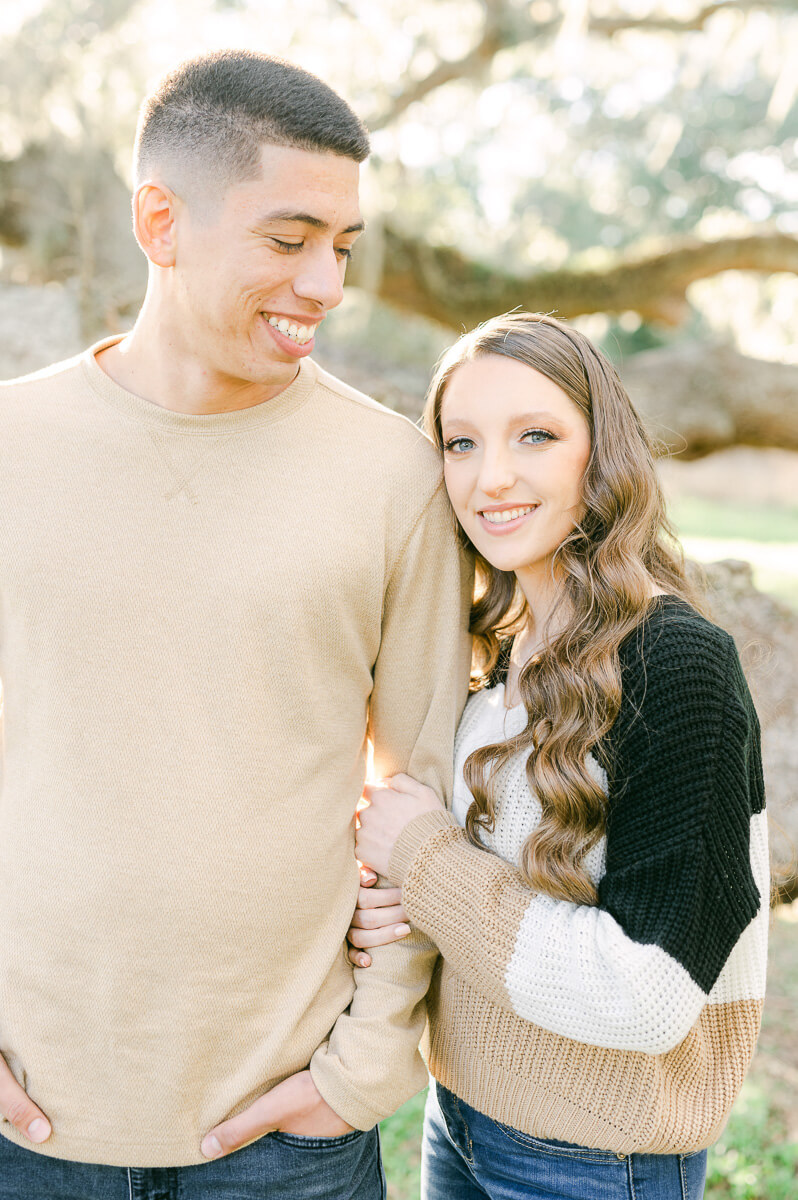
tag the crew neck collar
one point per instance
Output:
(138, 409)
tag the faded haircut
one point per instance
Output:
(204, 125)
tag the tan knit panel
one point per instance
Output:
(553, 1087)
(493, 933)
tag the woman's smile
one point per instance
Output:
(505, 519)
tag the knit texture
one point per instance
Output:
(201, 617)
(627, 1026)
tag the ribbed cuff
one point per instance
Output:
(331, 1085)
(411, 839)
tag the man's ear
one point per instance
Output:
(154, 223)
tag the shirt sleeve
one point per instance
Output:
(682, 912)
(370, 1064)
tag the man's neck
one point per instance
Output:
(152, 367)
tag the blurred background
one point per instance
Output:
(629, 165)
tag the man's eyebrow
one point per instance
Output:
(302, 218)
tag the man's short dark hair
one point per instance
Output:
(207, 120)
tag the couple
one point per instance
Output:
(221, 570)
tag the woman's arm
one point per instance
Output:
(684, 894)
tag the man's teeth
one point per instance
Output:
(297, 333)
(509, 514)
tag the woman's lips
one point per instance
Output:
(499, 522)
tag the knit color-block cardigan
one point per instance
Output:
(627, 1026)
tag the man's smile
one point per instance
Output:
(296, 329)
(293, 335)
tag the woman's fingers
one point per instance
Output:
(406, 784)
(367, 938)
(378, 918)
(379, 897)
(375, 791)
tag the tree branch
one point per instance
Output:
(496, 36)
(609, 26)
(441, 283)
(504, 28)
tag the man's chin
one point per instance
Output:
(273, 374)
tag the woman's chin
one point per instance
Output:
(503, 558)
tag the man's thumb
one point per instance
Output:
(18, 1108)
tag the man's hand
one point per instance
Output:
(293, 1106)
(18, 1108)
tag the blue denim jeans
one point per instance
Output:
(280, 1166)
(468, 1156)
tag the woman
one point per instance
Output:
(602, 973)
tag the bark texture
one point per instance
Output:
(441, 283)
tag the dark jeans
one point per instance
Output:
(280, 1166)
(468, 1156)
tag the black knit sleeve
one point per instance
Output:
(685, 780)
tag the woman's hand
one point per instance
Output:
(391, 806)
(379, 919)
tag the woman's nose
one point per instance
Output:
(496, 474)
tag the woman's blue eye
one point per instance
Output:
(458, 445)
(537, 436)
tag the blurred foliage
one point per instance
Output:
(752, 1161)
(524, 133)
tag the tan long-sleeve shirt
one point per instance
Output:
(199, 618)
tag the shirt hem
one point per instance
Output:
(94, 1152)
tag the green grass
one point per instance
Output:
(695, 516)
(401, 1149)
(752, 1161)
(764, 535)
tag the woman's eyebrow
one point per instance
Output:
(519, 419)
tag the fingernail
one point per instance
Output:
(369, 876)
(401, 930)
(38, 1130)
(210, 1147)
(363, 960)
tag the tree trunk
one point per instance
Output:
(697, 398)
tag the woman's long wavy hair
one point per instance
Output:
(605, 568)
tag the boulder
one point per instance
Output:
(766, 634)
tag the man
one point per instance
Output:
(220, 568)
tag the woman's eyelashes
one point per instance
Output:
(538, 437)
(530, 437)
(458, 445)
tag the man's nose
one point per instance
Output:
(321, 279)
